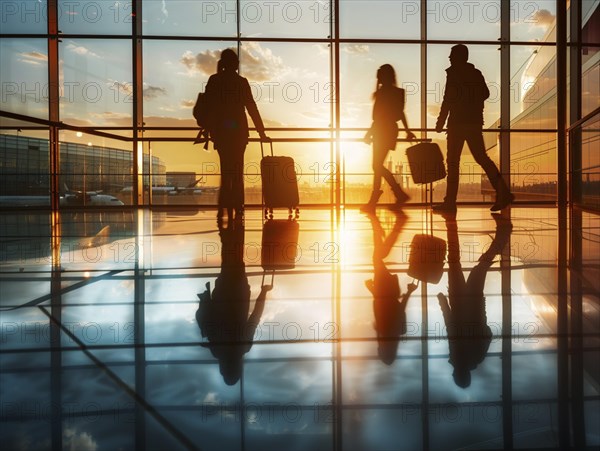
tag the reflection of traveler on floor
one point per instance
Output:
(388, 108)
(389, 304)
(469, 336)
(463, 101)
(229, 96)
(223, 315)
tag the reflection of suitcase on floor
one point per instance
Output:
(279, 248)
(426, 260)
(426, 162)
(279, 183)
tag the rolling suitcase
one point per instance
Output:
(279, 183)
(426, 162)
(279, 247)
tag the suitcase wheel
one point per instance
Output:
(293, 213)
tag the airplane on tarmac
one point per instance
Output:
(92, 198)
(171, 190)
(65, 201)
(69, 198)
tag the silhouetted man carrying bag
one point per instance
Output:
(464, 96)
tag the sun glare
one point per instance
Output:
(356, 156)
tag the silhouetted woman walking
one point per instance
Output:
(389, 303)
(388, 108)
(229, 95)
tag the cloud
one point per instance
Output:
(169, 121)
(205, 62)
(78, 440)
(95, 119)
(81, 50)
(149, 92)
(433, 110)
(123, 88)
(356, 48)
(164, 11)
(257, 63)
(211, 397)
(187, 103)
(311, 115)
(152, 92)
(112, 115)
(35, 55)
(112, 118)
(272, 123)
(322, 49)
(543, 18)
(33, 58)
(79, 122)
(32, 62)
(118, 120)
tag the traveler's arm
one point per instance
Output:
(368, 138)
(259, 307)
(485, 92)
(409, 134)
(250, 105)
(444, 110)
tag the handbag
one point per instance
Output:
(426, 258)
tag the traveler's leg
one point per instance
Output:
(378, 158)
(222, 202)
(455, 143)
(238, 180)
(399, 194)
(477, 146)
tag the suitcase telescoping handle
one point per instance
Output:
(262, 148)
(262, 283)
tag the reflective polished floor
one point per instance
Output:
(339, 330)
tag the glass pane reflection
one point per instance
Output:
(190, 18)
(24, 72)
(303, 19)
(391, 20)
(97, 79)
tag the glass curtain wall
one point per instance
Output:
(586, 167)
(312, 68)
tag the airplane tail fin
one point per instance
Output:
(101, 237)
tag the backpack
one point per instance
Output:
(201, 113)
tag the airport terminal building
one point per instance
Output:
(25, 170)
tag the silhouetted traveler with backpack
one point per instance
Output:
(229, 96)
